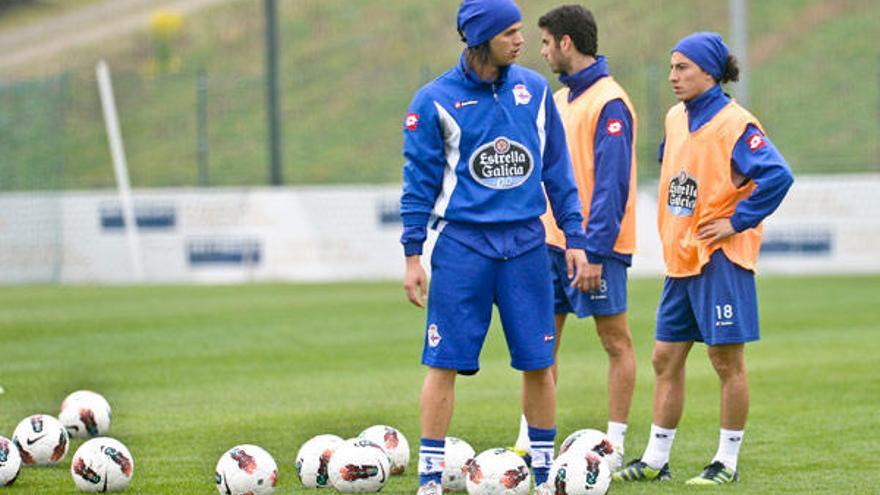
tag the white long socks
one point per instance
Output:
(729, 443)
(657, 453)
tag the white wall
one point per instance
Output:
(827, 224)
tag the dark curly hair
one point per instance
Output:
(576, 22)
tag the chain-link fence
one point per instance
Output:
(815, 85)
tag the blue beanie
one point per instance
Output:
(482, 20)
(706, 50)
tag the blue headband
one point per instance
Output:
(706, 50)
(482, 20)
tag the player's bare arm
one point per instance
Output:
(415, 282)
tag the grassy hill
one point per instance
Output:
(350, 68)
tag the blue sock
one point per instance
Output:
(541, 451)
(431, 453)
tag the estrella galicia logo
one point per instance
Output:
(682, 195)
(501, 164)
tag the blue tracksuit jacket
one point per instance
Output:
(479, 156)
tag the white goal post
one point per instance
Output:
(120, 167)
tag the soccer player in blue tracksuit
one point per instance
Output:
(482, 143)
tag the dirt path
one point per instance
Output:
(88, 25)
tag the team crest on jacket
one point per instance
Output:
(682, 195)
(501, 164)
(521, 95)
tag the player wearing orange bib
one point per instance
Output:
(600, 127)
(720, 177)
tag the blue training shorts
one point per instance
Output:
(465, 284)
(718, 306)
(609, 299)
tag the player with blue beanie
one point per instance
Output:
(482, 144)
(720, 177)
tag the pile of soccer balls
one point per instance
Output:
(357, 465)
(584, 466)
(101, 464)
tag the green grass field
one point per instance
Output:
(192, 371)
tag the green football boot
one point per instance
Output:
(714, 474)
(637, 470)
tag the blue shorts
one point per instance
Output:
(718, 306)
(465, 284)
(609, 299)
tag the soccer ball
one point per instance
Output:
(394, 443)
(102, 464)
(595, 441)
(579, 473)
(498, 472)
(458, 454)
(41, 439)
(313, 458)
(10, 462)
(359, 466)
(85, 414)
(571, 439)
(246, 470)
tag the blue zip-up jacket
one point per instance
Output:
(762, 164)
(479, 156)
(612, 159)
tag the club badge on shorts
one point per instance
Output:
(434, 337)
(521, 95)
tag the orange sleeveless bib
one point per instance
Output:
(580, 118)
(697, 185)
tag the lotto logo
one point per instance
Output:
(411, 122)
(756, 142)
(614, 128)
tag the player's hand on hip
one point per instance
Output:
(415, 282)
(715, 231)
(576, 260)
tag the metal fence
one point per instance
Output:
(341, 112)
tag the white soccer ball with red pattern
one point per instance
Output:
(457, 455)
(102, 464)
(10, 462)
(246, 470)
(579, 472)
(394, 443)
(313, 458)
(594, 441)
(498, 472)
(85, 414)
(359, 466)
(41, 440)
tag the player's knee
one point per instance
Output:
(665, 363)
(729, 369)
(617, 344)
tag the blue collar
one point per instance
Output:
(581, 81)
(472, 76)
(702, 108)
